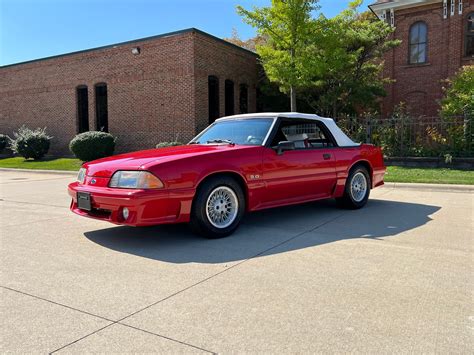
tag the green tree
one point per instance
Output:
(458, 106)
(459, 98)
(288, 27)
(348, 61)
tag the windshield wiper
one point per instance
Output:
(193, 143)
(220, 141)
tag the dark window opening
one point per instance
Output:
(244, 99)
(229, 97)
(418, 43)
(101, 112)
(470, 35)
(82, 98)
(213, 98)
(259, 98)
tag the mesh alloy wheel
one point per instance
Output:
(358, 187)
(218, 207)
(222, 207)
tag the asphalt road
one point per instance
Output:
(396, 276)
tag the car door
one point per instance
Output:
(306, 173)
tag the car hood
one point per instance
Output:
(139, 160)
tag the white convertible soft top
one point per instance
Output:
(341, 138)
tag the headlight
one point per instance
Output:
(135, 180)
(81, 176)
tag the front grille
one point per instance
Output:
(100, 213)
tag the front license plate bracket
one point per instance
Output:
(84, 201)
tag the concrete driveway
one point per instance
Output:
(396, 276)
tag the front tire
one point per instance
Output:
(218, 207)
(357, 189)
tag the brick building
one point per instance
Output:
(144, 91)
(437, 39)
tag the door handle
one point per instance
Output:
(326, 156)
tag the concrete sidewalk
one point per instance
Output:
(396, 276)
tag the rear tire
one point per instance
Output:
(357, 189)
(218, 207)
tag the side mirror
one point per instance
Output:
(283, 146)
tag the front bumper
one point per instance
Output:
(146, 207)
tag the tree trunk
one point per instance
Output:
(334, 111)
(293, 99)
(292, 89)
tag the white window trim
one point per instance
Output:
(392, 18)
(453, 7)
(445, 9)
(460, 7)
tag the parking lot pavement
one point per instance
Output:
(396, 276)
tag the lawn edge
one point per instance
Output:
(43, 171)
(429, 186)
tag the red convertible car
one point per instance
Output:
(238, 164)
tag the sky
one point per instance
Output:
(32, 29)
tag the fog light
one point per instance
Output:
(125, 213)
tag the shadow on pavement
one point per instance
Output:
(263, 230)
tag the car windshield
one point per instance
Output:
(242, 132)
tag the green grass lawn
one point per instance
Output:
(70, 164)
(429, 175)
(394, 174)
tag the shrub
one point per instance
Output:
(168, 144)
(459, 98)
(457, 104)
(29, 143)
(4, 140)
(92, 145)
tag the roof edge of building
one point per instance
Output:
(223, 41)
(400, 4)
(168, 34)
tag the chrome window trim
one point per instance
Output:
(269, 131)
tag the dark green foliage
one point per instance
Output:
(168, 144)
(459, 94)
(459, 101)
(30, 143)
(403, 135)
(92, 145)
(4, 140)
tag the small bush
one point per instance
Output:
(92, 145)
(29, 143)
(168, 144)
(4, 140)
(459, 98)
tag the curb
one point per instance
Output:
(430, 187)
(39, 171)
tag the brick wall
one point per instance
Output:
(224, 62)
(420, 85)
(158, 95)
